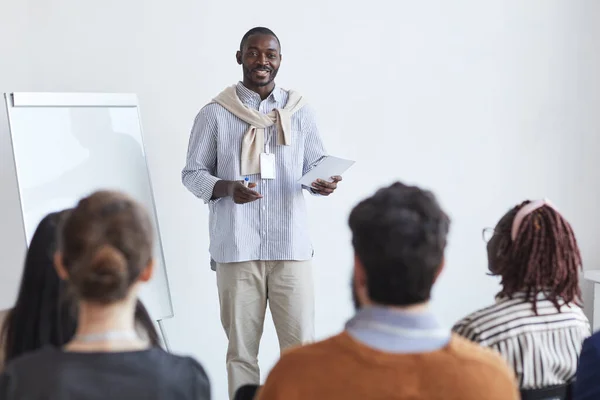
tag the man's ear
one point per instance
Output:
(439, 270)
(238, 57)
(147, 273)
(60, 267)
(360, 278)
(361, 290)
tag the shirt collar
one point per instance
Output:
(391, 330)
(248, 96)
(541, 295)
(422, 320)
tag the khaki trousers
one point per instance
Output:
(244, 290)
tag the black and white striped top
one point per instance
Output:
(276, 226)
(543, 349)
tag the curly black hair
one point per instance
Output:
(399, 235)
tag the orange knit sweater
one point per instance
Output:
(342, 368)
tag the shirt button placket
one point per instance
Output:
(264, 219)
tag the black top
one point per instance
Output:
(51, 373)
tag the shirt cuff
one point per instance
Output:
(312, 191)
(207, 187)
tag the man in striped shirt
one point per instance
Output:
(537, 323)
(258, 232)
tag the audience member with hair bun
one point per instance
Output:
(537, 322)
(105, 255)
(44, 313)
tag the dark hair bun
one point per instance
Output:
(105, 278)
(106, 243)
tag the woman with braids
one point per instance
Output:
(537, 323)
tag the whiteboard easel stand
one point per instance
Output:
(32, 99)
(163, 335)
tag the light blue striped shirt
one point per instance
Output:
(396, 331)
(276, 226)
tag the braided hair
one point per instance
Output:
(544, 257)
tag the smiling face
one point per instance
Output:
(260, 59)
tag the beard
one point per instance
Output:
(355, 300)
(248, 75)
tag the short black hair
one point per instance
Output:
(399, 235)
(259, 30)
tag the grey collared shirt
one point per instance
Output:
(276, 226)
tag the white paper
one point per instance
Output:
(327, 168)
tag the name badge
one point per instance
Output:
(267, 166)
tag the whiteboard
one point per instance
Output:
(68, 145)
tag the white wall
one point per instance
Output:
(487, 103)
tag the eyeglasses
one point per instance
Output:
(487, 234)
